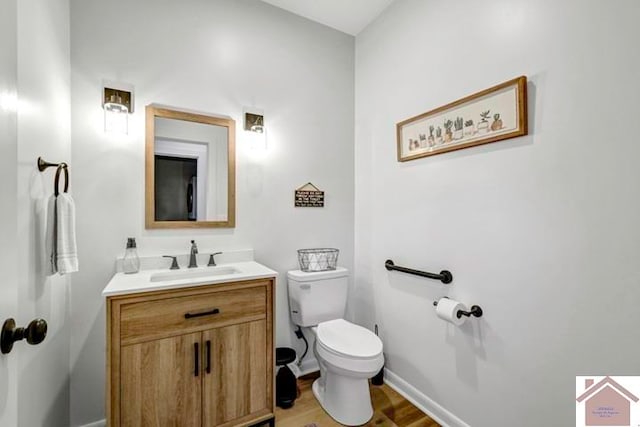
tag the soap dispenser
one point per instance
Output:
(131, 262)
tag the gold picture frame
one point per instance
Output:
(153, 112)
(494, 114)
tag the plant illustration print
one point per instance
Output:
(483, 126)
(494, 114)
(432, 140)
(448, 134)
(469, 130)
(497, 122)
(423, 140)
(458, 125)
(439, 135)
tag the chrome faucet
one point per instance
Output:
(193, 263)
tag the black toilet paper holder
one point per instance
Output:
(476, 311)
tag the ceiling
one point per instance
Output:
(349, 16)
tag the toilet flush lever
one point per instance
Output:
(35, 333)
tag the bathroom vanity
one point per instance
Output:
(192, 347)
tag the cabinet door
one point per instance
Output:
(161, 382)
(236, 384)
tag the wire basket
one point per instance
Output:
(319, 259)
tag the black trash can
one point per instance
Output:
(286, 384)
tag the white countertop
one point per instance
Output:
(121, 283)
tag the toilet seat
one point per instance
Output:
(350, 349)
(345, 339)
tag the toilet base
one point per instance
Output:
(346, 400)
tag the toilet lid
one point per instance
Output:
(348, 339)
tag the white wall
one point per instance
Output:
(215, 56)
(43, 130)
(541, 231)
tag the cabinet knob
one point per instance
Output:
(34, 333)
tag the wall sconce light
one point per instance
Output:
(254, 122)
(255, 130)
(117, 105)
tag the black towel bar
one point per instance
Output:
(445, 276)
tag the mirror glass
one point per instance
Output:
(190, 169)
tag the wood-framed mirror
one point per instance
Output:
(190, 168)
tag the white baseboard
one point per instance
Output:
(422, 401)
(101, 423)
(307, 367)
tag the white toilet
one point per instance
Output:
(348, 354)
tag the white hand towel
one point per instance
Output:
(50, 238)
(65, 233)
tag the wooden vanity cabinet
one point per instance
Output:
(201, 356)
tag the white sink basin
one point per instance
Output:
(193, 274)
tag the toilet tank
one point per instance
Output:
(316, 297)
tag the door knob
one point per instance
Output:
(35, 333)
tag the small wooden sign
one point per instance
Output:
(309, 196)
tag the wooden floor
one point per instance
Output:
(390, 410)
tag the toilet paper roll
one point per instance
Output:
(447, 309)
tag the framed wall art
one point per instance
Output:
(494, 114)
